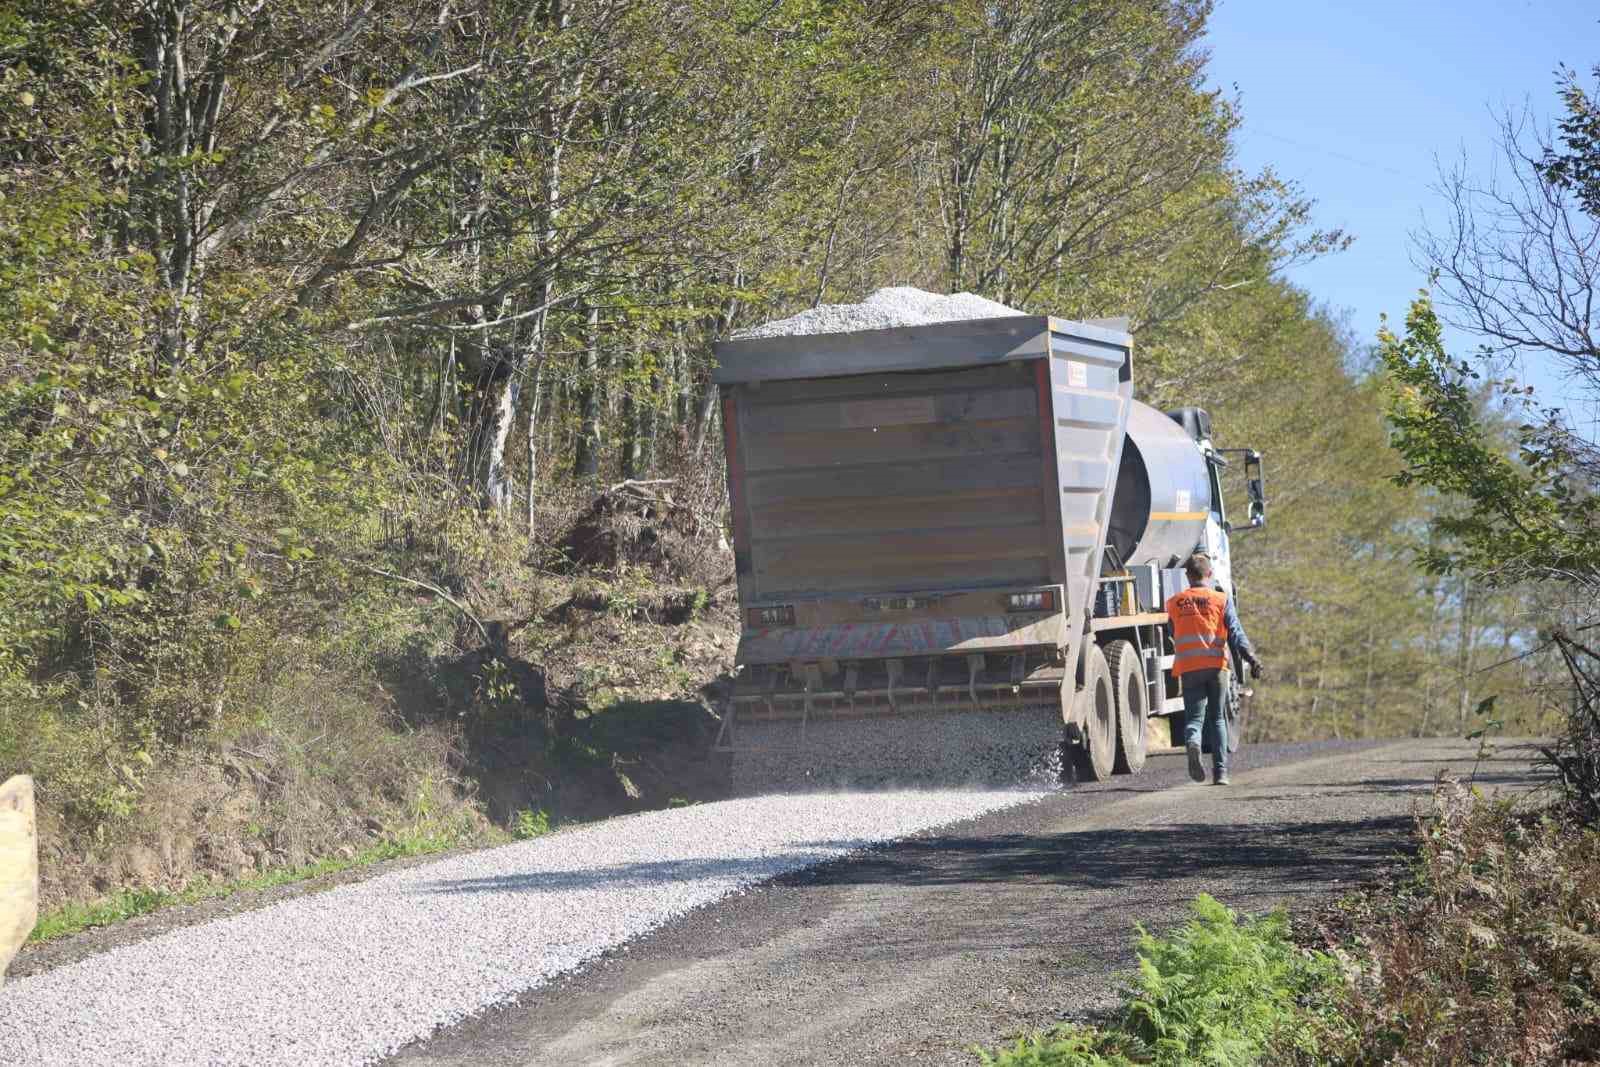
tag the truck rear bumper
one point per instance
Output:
(815, 691)
(938, 636)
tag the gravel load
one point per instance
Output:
(351, 975)
(1016, 748)
(899, 305)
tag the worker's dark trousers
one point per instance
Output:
(1202, 704)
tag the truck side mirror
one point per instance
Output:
(1255, 486)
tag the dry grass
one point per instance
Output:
(1489, 954)
(311, 766)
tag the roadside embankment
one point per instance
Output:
(1484, 947)
(383, 725)
(1486, 951)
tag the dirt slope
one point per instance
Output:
(1014, 921)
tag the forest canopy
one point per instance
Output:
(305, 307)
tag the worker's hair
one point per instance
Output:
(1197, 567)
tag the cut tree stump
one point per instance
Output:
(19, 868)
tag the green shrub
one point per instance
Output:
(530, 823)
(1217, 991)
(1065, 1047)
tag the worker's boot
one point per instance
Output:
(1222, 779)
(1197, 770)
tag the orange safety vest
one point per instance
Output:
(1199, 634)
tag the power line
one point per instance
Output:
(1250, 132)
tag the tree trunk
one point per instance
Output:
(498, 492)
(705, 418)
(651, 412)
(586, 457)
(1464, 653)
(1366, 687)
(708, 399)
(632, 445)
(533, 434)
(1322, 676)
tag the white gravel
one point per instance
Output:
(900, 305)
(350, 975)
(1012, 747)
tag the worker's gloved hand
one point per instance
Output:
(1256, 668)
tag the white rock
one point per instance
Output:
(896, 306)
(350, 975)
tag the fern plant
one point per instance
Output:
(1217, 992)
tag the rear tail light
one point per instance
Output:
(778, 615)
(1044, 600)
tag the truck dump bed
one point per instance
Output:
(894, 482)
(922, 460)
(919, 515)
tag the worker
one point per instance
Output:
(1204, 627)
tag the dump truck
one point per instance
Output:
(971, 524)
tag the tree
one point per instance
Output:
(1518, 258)
(1518, 263)
(1529, 516)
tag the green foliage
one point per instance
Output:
(1527, 516)
(1066, 1047)
(530, 823)
(1222, 992)
(122, 905)
(1576, 166)
(1216, 991)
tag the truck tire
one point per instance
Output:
(1094, 710)
(1133, 699)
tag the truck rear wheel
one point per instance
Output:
(1094, 710)
(1127, 684)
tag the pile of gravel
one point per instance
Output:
(900, 305)
(955, 750)
(351, 975)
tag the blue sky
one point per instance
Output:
(1356, 100)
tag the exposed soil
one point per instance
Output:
(643, 524)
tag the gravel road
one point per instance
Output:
(1017, 920)
(641, 940)
(352, 974)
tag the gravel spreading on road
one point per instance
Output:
(351, 975)
(948, 749)
(966, 749)
(900, 305)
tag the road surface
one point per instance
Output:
(1014, 921)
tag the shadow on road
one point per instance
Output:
(1109, 859)
(1269, 854)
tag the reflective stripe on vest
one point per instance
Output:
(1199, 632)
